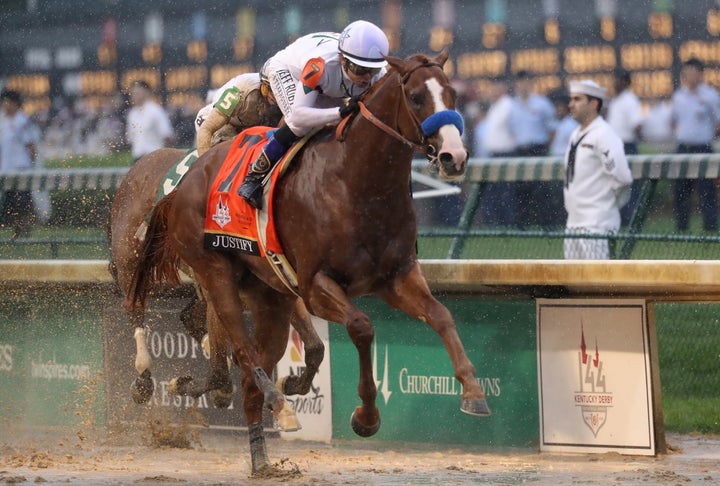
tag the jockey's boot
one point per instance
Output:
(251, 188)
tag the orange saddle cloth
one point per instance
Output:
(231, 224)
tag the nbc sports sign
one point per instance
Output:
(313, 410)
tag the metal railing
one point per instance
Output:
(648, 168)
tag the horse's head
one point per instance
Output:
(430, 100)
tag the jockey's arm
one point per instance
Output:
(214, 122)
(219, 116)
(305, 115)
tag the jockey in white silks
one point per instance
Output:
(317, 80)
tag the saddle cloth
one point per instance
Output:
(169, 184)
(230, 222)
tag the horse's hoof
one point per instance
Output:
(221, 399)
(287, 420)
(475, 406)
(142, 388)
(361, 429)
(179, 386)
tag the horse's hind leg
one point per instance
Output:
(328, 300)
(271, 312)
(314, 353)
(220, 280)
(193, 317)
(218, 382)
(411, 294)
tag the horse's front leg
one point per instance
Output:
(411, 294)
(329, 301)
(314, 353)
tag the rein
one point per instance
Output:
(367, 114)
(425, 128)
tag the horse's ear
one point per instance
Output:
(442, 57)
(396, 63)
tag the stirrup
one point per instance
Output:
(251, 189)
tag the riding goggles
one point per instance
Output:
(358, 70)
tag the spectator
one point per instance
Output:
(566, 124)
(597, 176)
(624, 115)
(696, 121)
(19, 139)
(564, 128)
(479, 131)
(657, 125)
(148, 125)
(499, 204)
(532, 123)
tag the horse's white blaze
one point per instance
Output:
(436, 92)
(142, 356)
(449, 134)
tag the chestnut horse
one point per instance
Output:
(133, 201)
(347, 224)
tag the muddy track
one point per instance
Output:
(205, 457)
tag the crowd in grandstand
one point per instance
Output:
(72, 126)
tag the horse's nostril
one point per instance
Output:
(445, 157)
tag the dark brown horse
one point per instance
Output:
(347, 224)
(133, 201)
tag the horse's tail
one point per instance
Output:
(158, 261)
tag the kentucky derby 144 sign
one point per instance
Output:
(594, 376)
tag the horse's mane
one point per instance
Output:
(411, 62)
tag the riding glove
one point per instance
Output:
(350, 107)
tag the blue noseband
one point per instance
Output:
(446, 117)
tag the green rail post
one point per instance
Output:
(639, 216)
(466, 220)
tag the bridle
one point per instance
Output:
(425, 128)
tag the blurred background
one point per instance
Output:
(73, 60)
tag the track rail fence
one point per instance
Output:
(649, 169)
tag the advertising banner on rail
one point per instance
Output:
(51, 366)
(418, 396)
(594, 376)
(174, 354)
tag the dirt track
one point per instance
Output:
(70, 457)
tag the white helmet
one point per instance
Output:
(365, 44)
(264, 72)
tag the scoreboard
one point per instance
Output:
(556, 40)
(652, 48)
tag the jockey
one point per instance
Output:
(227, 108)
(311, 79)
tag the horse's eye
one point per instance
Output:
(417, 99)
